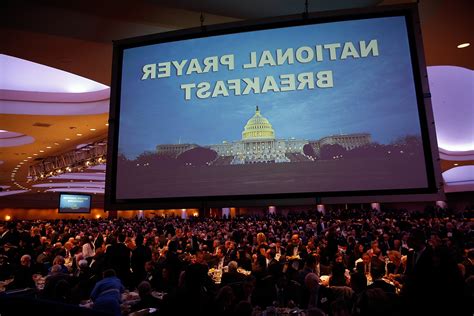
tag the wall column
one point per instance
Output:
(272, 210)
(375, 206)
(225, 212)
(441, 204)
(321, 209)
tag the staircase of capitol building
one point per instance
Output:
(296, 157)
(222, 161)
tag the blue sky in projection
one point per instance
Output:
(373, 94)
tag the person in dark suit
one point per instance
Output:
(118, 259)
(379, 283)
(98, 240)
(5, 268)
(56, 277)
(295, 249)
(140, 255)
(315, 295)
(468, 264)
(280, 251)
(274, 266)
(420, 286)
(309, 267)
(232, 276)
(23, 276)
(10, 235)
(365, 265)
(385, 244)
(146, 299)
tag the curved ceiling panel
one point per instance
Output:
(70, 185)
(54, 96)
(7, 134)
(81, 176)
(24, 75)
(459, 174)
(98, 167)
(16, 140)
(459, 179)
(257, 9)
(77, 190)
(5, 193)
(59, 108)
(456, 155)
(452, 96)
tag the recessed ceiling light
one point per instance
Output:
(57, 144)
(35, 154)
(106, 124)
(21, 163)
(78, 134)
(67, 139)
(464, 45)
(41, 151)
(25, 159)
(92, 129)
(49, 147)
(456, 164)
(29, 157)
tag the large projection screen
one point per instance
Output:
(289, 108)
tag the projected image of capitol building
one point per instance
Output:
(260, 145)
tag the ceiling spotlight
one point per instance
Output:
(464, 45)
(49, 147)
(79, 134)
(456, 164)
(106, 124)
(35, 154)
(29, 157)
(92, 129)
(41, 151)
(67, 139)
(57, 144)
(20, 163)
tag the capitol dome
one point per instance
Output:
(258, 127)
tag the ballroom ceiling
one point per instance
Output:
(56, 69)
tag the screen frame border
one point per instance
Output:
(433, 191)
(69, 193)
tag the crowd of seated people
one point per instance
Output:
(344, 262)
